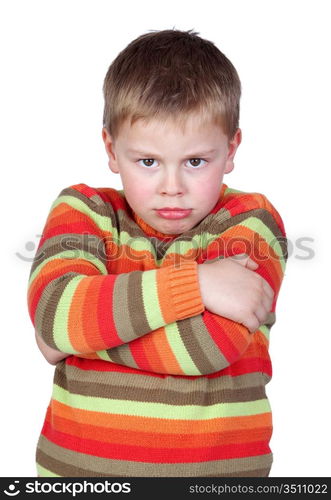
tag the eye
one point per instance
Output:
(195, 160)
(147, 162)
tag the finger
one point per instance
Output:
(267, 303)
(252, 323)
(261, 313)
(251, 264)
(240, 258)
(268, 290)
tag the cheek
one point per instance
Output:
(139, 193)
(208, 189)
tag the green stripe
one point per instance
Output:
(160, 410)
(265, 330)
(138, 243)
(102, 221)
(67, 254)
(150, 295)
(255, 224)
(179, 350)
(229, 190)
(41, 471)
(104, 355)
(60, 328)
(183, 247)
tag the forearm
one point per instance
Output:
(80, 314)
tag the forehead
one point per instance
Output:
(194, 125)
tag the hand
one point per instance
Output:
(53, 356)
(229, 287)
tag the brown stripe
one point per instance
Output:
(122, 321)
(71, 463)
(155, 383)
(271, 319)
(270, 222)
(218, 223)
(104, 209)
(201, 347)
(128, 308)
(248, 473)
(136, 308)
(61, 468)
(45, 312)
(130, 226)
(122, 355)
(165, 396)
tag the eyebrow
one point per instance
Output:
(191, 155)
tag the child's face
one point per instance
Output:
(172, 168)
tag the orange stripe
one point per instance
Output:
(75, 319)
(258, 348)
(63, 213)
(261, 339)
(157, 440)
(58, 267)
(244, 240)
(83, 316)
(130, 258)
(91, 355)
(90, 315)
(160, 425)
(163, 291)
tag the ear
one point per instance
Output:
(233, 146)
(110, 150)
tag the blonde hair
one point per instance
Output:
(171, 74)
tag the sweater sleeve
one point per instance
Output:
(207, 343)
(76, 306)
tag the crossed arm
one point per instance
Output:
(206, 341)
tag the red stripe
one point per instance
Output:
(80, 227)
(117, 451)
(84, 189)
(241, 367)
(238, 206)
(220, 337)
(139, 354)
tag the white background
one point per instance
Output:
(54, 57)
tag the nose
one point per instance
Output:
(171, 182)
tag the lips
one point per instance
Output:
(173, 212)
(178, 209)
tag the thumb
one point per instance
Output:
(244, 260)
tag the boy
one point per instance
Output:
(155, 302)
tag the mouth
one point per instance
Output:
(173, 213)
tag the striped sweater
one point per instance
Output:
(155, 384)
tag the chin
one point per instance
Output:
(178, 228)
